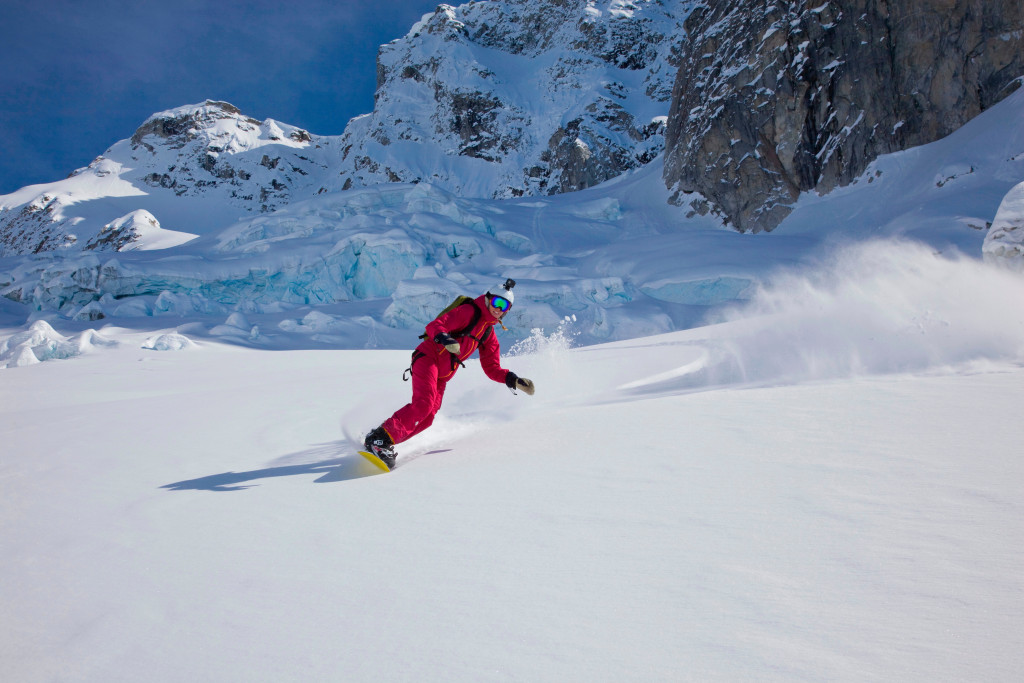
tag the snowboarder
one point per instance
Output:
(451, 338)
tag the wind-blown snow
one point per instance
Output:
(878, 307)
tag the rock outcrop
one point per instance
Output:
(777, 98)
(37, 226)
(213, 148)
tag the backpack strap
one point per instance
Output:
(483, 337)
(416, 355)
(465, 331)
(461, 332)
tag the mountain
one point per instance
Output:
(493, 99)
(775, 99)
(194, 168)
(751, 103)
(254, 165)
(518, 97)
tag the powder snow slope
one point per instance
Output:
(714, 504)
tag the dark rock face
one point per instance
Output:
(776, 98)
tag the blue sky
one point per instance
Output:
(76, 76)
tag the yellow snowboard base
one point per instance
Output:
(375, 460)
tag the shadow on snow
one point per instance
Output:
(345, 465)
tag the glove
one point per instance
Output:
(526, 385)
(449, 342)
(513, 382)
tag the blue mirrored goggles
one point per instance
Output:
(500, 303)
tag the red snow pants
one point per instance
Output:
(418, 414)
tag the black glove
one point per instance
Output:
(513, 382)
(448, 341)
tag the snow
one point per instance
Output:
(715, 503)
(542, 69)
(40, 342)
(212, 167)
(168, 342)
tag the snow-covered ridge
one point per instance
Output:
(138, 230)
(258, 165)
(192, 168)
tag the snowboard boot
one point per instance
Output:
(380, 444)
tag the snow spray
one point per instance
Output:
(875, 308)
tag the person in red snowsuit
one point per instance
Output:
(450, 339)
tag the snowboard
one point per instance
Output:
(375, 460)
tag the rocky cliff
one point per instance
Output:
(777, 98)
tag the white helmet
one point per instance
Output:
(504, 290)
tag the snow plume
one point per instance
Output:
(554, 344)
(544, 358)
(873, 308)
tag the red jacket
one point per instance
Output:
(481, 337)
